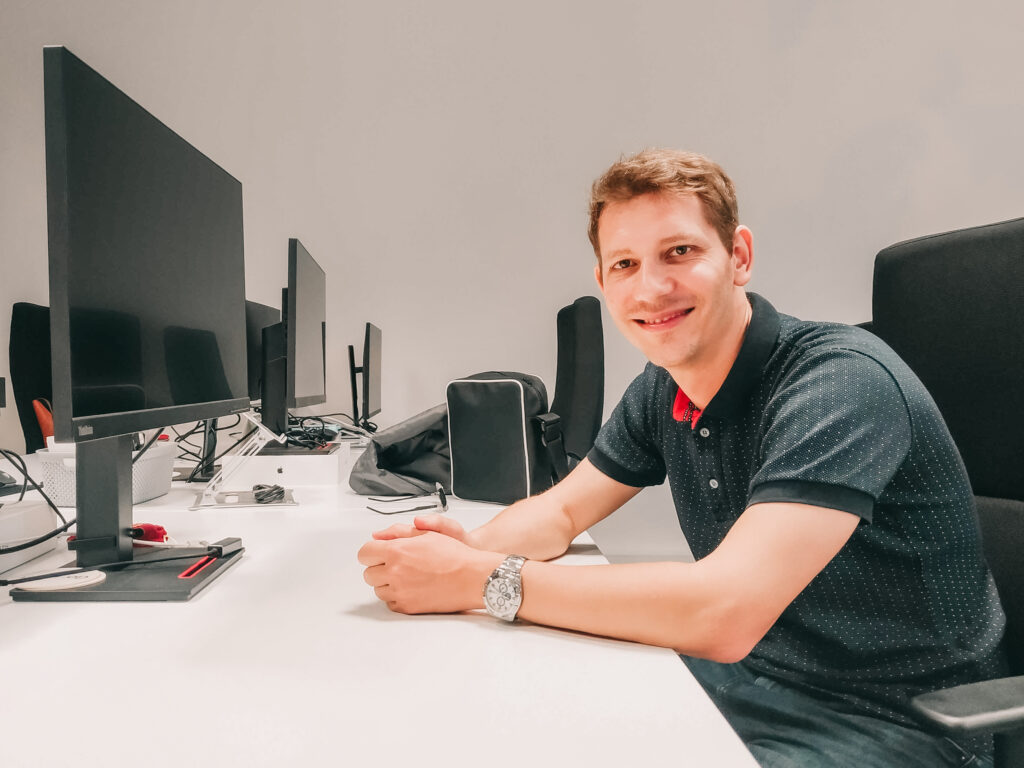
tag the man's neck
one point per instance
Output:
(702, 380)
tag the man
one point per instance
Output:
(838, 568)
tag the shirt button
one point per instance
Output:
(713, 483)
(704, 431)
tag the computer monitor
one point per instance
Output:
(294, 370)
(370, 370)
(147, 306)
(257, 317)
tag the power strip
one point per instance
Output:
(22, 521)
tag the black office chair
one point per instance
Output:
(29, 355)
(579, 377)
(951, 306)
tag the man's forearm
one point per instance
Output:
(671, 605)
(537, 528)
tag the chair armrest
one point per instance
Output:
(991, 706)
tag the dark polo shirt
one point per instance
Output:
(827, 415)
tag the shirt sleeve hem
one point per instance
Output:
(617, 472)
(816, 494)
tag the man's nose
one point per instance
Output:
(655, 280)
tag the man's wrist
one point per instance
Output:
(481, 570)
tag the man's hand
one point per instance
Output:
(422, 524)
(423, 571)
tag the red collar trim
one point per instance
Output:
(684, 410)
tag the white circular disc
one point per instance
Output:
(67, 581)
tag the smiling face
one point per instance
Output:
(671, 285)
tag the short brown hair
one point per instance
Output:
(668, 171)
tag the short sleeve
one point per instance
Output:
(626, 448)
(837, 430)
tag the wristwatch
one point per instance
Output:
(503, 592)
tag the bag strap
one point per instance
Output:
(551, 439)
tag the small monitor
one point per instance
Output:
(369, 380)
(307, 319)
(294, 350)
(257, 317)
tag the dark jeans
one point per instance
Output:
(785, 728)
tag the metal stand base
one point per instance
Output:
(240, 499)
(137, 582)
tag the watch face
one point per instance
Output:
(503, 597)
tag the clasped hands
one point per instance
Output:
(431, 566)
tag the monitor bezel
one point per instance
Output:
(255, 310)
(67, 427)
(291, 328)
(372, 339)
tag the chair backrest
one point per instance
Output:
(579, 377)
(951, 306)
(29, 353)
(1002, 531)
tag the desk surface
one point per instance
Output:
(289, 659)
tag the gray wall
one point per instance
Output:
(436, 157)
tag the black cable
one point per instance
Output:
(148, 445)
(441, 503)
(121, 564)
(15, 459)
(339, 413)
(267, 494)
(237, 442)
(238, 420)
(19, 462)
(400, 511)
(182, 440)
(310, 437)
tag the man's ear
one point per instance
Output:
(598, 276)
(742, 255)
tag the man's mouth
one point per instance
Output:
(663, 321)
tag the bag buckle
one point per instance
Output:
(550, 428)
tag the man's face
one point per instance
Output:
(668, 281)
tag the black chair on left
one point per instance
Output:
(951, 306)
(30, 367)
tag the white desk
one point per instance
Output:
(289, 659)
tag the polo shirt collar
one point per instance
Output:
(758, 342)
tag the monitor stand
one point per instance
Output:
(214, 496)
(103, 480)
(135, 581)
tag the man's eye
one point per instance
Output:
(680, 250)
(622, 264)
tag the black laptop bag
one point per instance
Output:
(505, 443)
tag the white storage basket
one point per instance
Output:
(151, 475)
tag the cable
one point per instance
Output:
(339, 413)
(15, 459)
(19, 464)
(268, 494)
(305, 436)
(239, 441)
(214, 551)
(441, 503)
(182, 440)
(148, 445)
(348, 429)
(238, 420)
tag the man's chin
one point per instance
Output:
(665, 357)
